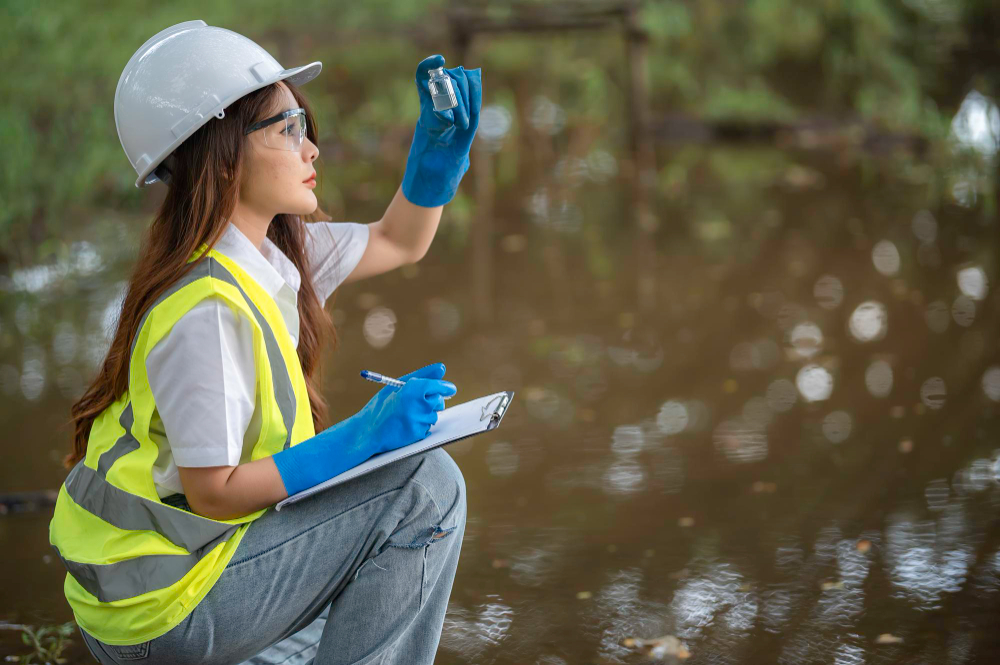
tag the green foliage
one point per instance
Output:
(48, 643)
(753, 101)
(759, 61)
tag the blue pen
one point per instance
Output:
(387, 380)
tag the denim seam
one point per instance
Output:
(240, 562)
(423, 578)
(431, 497)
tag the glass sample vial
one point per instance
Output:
(442, 92)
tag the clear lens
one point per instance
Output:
(287, 134)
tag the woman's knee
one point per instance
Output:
(444, 480)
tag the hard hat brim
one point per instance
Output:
(300, 75)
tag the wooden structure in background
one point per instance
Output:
(465, 22)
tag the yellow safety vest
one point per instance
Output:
(138, 566)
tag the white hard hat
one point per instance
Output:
(179, 79)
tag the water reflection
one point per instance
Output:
(829, 292)
(740, 441)
(546, 116)
(471, 633)
(494, 123)
(760, 467)
(379, 326)
(933, 393)
(837, 426)
(972, 282)
(977, 124)
(868, 321)
(781, 395)
(83, 260)
(963, 310)
(673, 415)
(991, 383)
(806, 340)
(814, 382)
(928, 558)
(878, 378)
(885, 257)
(33, 372)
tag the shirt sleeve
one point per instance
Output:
(203, 377)
(334, 249)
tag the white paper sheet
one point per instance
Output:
(454, 423)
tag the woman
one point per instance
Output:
(206, 409)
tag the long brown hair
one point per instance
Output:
(204, 183)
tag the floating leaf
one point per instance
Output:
(659, 647)
(888, 638)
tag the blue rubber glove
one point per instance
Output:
(394, 417)
(439, 154)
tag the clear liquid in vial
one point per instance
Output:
(442, 90)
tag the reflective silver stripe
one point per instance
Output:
(283, 391)
(90, 489)
(125, 444)
(132, 577)
(92, 492)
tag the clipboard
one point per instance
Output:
(455, 423)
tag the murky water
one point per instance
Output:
(791, 458)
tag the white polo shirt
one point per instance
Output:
(202, 373)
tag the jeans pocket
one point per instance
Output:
(128, 651)
(114, 652)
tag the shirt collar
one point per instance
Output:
(269, 266)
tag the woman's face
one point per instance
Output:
(273, 183)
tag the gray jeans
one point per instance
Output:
(300, 588)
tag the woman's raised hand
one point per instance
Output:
(439, 153)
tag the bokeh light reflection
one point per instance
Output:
(379, 327)
(815, 383)
(829, 292)
(868, 321)
(878, 378)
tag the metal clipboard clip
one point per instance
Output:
(494, 413)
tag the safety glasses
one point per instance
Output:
(285, 131)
